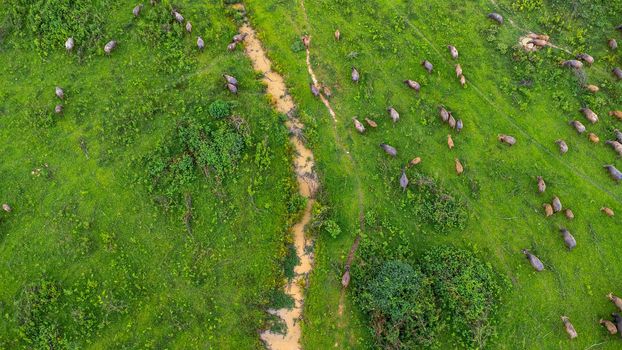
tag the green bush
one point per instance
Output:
(332, 228)
(468, 291)
(195, 146)
(400, 303)
(437, 206)
(219, 109)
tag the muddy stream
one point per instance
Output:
(307, 184)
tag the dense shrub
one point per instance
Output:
(468, 291)
(437, 206)
(195, 146)
(400, 303)
(219, 109)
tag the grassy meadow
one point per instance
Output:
(527, 95)
(118, 238)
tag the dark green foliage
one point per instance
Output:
(290, 262)
(281, 300)
(219, 109)
(468, 290)
(194, 146)
(435, 205)
(401, 306)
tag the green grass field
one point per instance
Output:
(386, 41)
(96, 252)
(96, 255)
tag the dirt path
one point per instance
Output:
(307, 184)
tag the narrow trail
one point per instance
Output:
(340, 144)
(307, 184)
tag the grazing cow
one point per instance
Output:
(58, 109)
(563, 147)
(393, 114)
(200, 43)
(572, 333)
(136, 10)
(593, 138)
(459, 125)
(458, 70)
(60, 93)
(507, 139)
(413, 84)
(109, 47)
(358, 125)
(371, 123)
(345, 279)
(178, 17)
(608, 211)
(453, 51)
(614, 172)
(230, 79)
(69, 44)
(189, 27)
(314, 90)
(569, 240)
(6, 207)
(232, 88)
(496, 17)
(617, 72)
(238, 38)
(578, 126)
(541, 184)
(403, 180)
(390, 150)
(355, 75)
(617, 146)
(569, 214)
(589, 114)
(586, 58)
(427, 65)
(450, 142)
(611, 328)
(616, 114)
(557, 204)
(533, 260)
(548, 209)
(451, 121)
(459, 167)
(337, 35)
(615, 300)
(617, 319)
(443, 113)
(592, 88)
(232, 46)
(462, 81)
(414, 161)
(539, 42)
(613, 44)
(573, 64)
(306, 40)
(618, 135)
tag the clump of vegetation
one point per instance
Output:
(401, 306)
(468, 291)
(195, 145)
(219, 109)
(434, 204)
